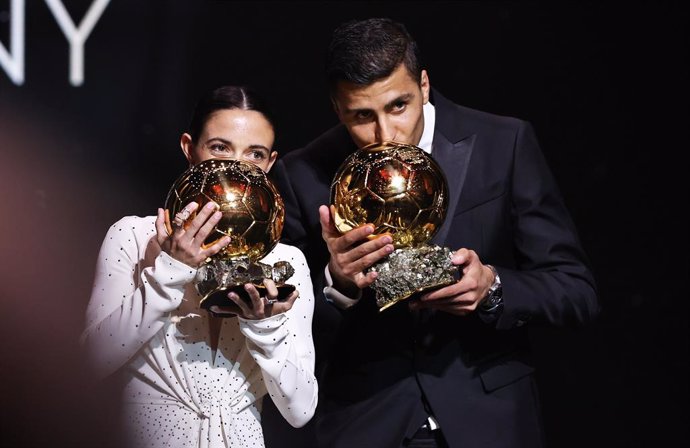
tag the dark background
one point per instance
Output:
(605, 86)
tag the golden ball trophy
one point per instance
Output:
(401, 191)
(253, 217)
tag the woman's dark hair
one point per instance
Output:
(365, 51)
(226, 97)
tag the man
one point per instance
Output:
(452, 367)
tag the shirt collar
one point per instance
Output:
(429, 122)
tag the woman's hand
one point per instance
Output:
(261, 306)
(185, 241)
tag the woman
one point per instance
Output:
(192, 379)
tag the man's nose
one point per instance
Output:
(384, 130)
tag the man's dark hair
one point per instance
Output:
(226, 97)
(365, 51)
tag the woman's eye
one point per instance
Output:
(257, 155)
(217, 147)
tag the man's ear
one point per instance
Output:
(336, 109)
(335, 106)
(425, 86)
(187, 145)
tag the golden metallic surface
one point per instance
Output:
(396, 187)
(253, 211)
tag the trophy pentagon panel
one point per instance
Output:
(396, 187)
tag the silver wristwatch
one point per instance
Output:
(494, 299)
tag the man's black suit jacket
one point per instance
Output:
(381, 373)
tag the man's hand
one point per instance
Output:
(352, 252)
(463, 296)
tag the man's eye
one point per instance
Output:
(363, 115)
(399, 106)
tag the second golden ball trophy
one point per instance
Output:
(253, 217)
(401, 191)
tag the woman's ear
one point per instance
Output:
(271, 160)
(187, 145)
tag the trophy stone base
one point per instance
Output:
(410, 270)
(215, 279)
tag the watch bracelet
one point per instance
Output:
(491, 296)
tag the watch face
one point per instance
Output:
(491, 301)
(494, 299)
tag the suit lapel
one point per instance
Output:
(454, 159)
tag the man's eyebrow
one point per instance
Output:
(357, 109)
(404, 98)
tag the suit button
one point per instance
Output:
(522, 319)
